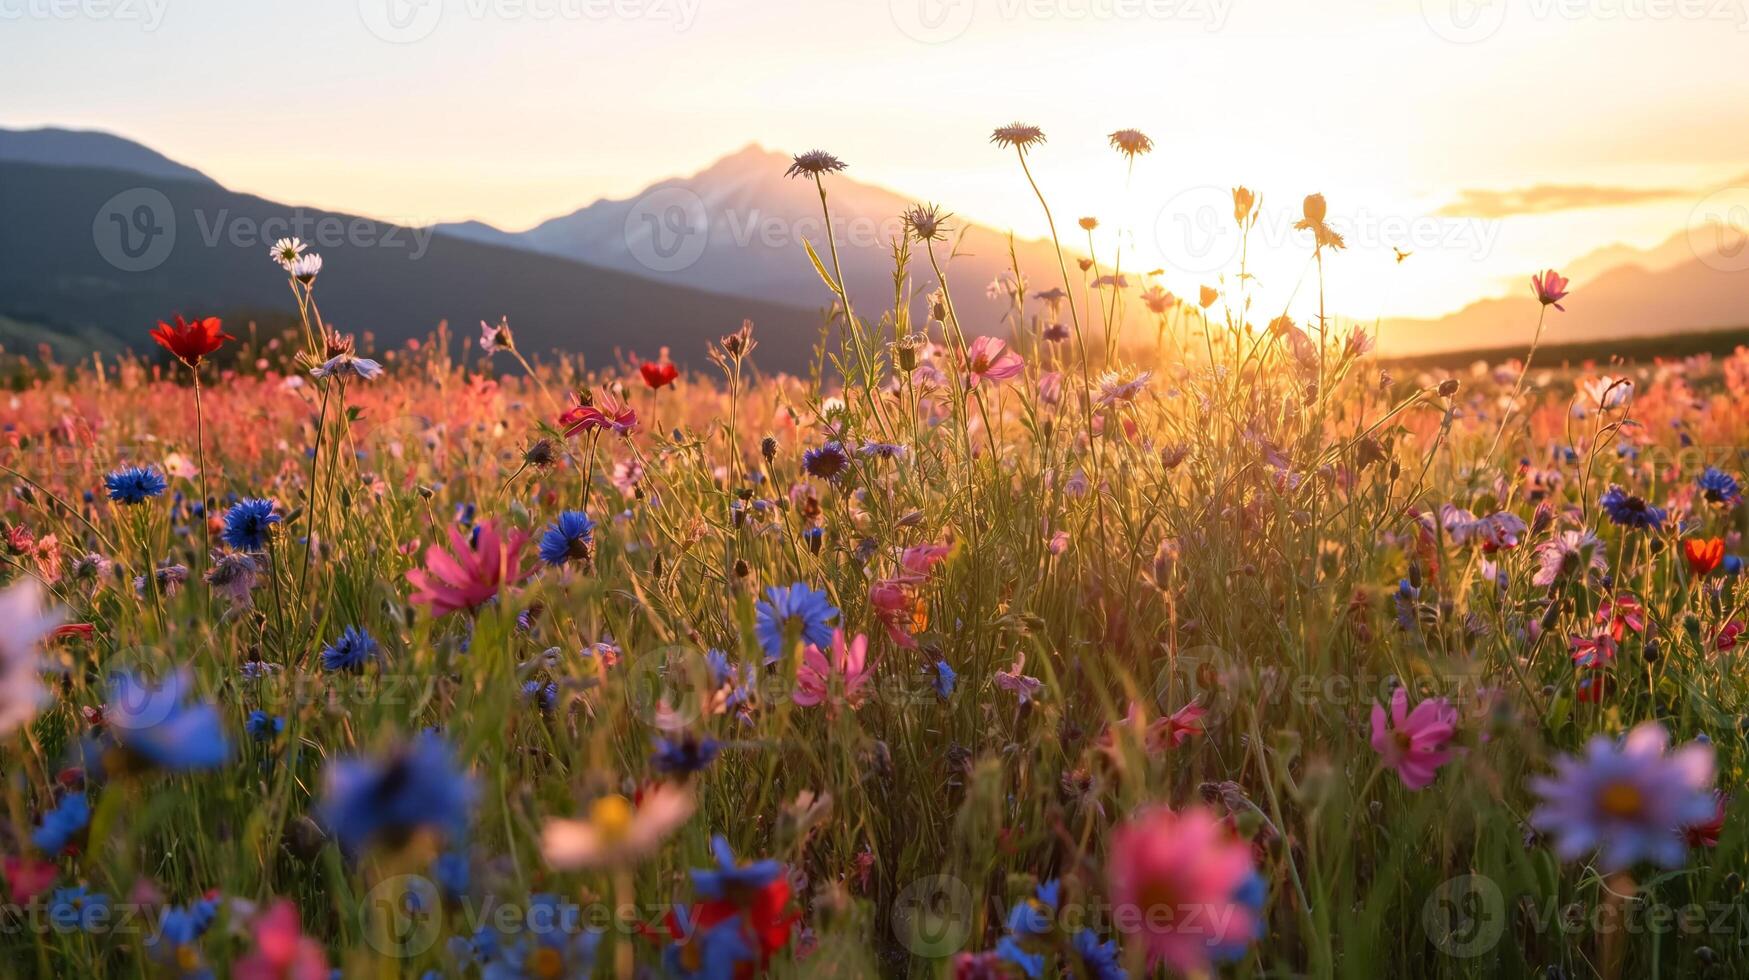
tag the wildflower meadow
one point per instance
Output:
(1151, 634)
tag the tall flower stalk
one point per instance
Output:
(814, 165)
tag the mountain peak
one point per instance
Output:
(752, 158)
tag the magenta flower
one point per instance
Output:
(989, 359)
(1183, 886)
(469, 574)
(1413, 743)
(849, 666)
(1551, 288)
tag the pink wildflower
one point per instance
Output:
(282, 951)
(1551, 288)
(1414, 743)
(1185, 888)
(989, 359)
(849, 665)
(1013, 679)
(469, 575)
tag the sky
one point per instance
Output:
(1488, 138)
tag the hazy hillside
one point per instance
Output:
(195, 248)
(738, 226)
(83, 148)
(1626, 301)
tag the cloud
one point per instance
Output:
(1545, 198)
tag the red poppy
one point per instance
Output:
(1703, 555)
(191, 341)
(604, 412)
(764, 922)
(86, 630)
(1706, 833)
(659, 373)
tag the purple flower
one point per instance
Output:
(1566, 555)
(1631, 799)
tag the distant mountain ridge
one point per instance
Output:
(51, 146)
(114, 251)
(1656, 292)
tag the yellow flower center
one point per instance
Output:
(611, 815)
(1621, 800)
(546, 962)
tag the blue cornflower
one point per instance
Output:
(827, 462)
(685, 755)
(158, 727)
(1032, 916)
(248, 524)
(543, 695)
(483, 948)
(1720, 487)
(450, 871)
(1404, 598)
(710, 954)
(62, 824)
(351, 652)
(722, 672)
(567, 539)
(728, 877)
(790, 612)
(1733, 565)
(76, 908)
(176, 942)
(263, 727)
(1032, 964)
(1099, 961)
(135, 484)
(555, 943)
(1251, 893)
(417, 785)
(944, 680)
(1028, 921)
(1629, 510)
